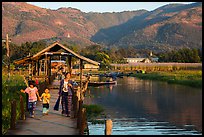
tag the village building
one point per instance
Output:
(41, 62)
(141, 60)
(90, 67)
(137, 60)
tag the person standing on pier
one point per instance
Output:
(66, 92)
(33, 94)
(46, 101)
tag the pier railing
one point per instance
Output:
(79, 111)
(24, 108)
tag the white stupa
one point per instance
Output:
(68, 35)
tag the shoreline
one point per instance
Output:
(187, 78)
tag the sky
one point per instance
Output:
(104, 6)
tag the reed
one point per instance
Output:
(157, 66)
(191, 78)
(93, 110)
(11, 90)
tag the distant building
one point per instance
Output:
(91, 67)
(154, 59)
(137, 60)
(146, 60)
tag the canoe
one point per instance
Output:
(101, 83)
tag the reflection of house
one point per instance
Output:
(137, 60)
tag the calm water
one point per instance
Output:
(145, 107)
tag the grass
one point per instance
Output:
(191, 78)
(11, 91)
(93, 111)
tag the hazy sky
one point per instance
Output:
(104, 6)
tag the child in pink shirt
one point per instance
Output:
(32, 97)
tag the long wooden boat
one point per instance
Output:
(102, 83)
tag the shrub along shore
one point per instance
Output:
(191, 78)
(11, 91)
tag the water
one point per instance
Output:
(145, 107)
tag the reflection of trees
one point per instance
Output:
(166, 102)
(177, 104)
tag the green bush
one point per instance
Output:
(11, 91)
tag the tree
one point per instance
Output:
(37, 46)
(103, 58)
(195, 56)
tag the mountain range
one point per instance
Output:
(172, 26)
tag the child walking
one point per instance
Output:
(32, 97)
(46, 101)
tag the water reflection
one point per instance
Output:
(157, 101)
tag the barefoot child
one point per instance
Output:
(32, 97)
(46, 100)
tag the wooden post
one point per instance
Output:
(76, 105)
(27, 97)
(69, 63)
(22, 108)
(44, 69)
(31, 70)
(83, 121)
(13, 114)
(79, 114)
(8, 54)
(49, 69)
(40, 69)
(46, 64)
(108, 127)
(81, 67)
(29, 67)
(35, 69)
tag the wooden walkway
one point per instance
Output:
(52, 124)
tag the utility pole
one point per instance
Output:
(8, 55)
(29, 68)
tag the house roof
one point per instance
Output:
(52, 49)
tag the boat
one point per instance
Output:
(102, 83)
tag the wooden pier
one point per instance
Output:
(52, 124)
